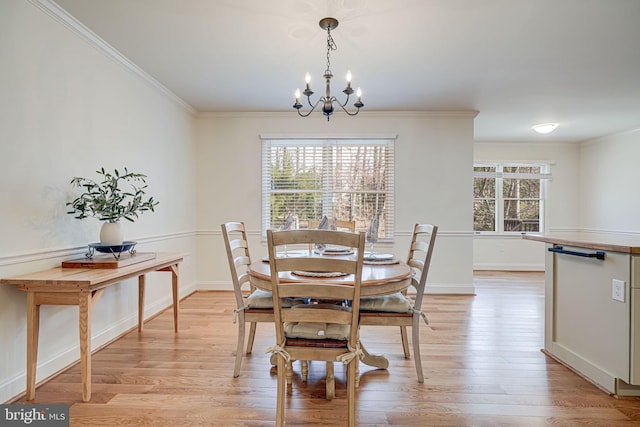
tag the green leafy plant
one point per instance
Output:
(107, 201)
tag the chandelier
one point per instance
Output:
(328, 100)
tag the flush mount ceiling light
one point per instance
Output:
(545, 127)
(328, 100)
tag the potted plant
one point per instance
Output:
(113, 197)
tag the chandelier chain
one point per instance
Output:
(331, 45)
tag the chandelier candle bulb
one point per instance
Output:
(348, 90)
(297, 105)
(359, 103)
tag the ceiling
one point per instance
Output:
(516, 62)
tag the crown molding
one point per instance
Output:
(383, 114)
(59, 14)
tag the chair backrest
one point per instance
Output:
(420, 251)
(315, 288)
(342, 224)
(235, 240)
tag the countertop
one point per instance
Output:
(625, 243)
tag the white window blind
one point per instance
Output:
(347, 179)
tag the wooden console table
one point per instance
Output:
(83, 287)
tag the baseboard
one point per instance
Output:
(450, 288)
(508, 267)
(214, 285)
(583, 367)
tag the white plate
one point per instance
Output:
(294, 253)
(375, 256)
(336, 248)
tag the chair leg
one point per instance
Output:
(282, 384)
(415, 337)
(330, 382)
(252, 335)
(351, 391)
(289, 372)
(239, 347)
(405, 342)
(304, 365)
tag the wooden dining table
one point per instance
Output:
(377, 279)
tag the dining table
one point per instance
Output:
(378, 278)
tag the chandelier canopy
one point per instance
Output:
(328, 100)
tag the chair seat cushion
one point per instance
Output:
(316, 330)
(393, 303)
(264, 299)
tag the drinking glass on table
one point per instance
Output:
(372, 235)
(320, 248)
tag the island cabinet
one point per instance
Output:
(592, 307)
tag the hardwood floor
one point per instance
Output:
(481, 356)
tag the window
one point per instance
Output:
(509, 197)
(349, 179)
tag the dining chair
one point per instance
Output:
(398, 309)
(252, 305)
(319, 331)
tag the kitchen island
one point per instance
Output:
(592, 307)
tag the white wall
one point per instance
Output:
(609, 200)
(68, 109)
(562, 208)
(434, 155)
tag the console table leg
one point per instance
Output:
(141, 283)
(33, 326)
(174, 285)
(84, 305)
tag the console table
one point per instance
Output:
(83, 287)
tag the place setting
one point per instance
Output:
(374, 258)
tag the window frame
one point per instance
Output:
(327, 144)
(544, 176)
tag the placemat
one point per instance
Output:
(319, 273)
(381, 262)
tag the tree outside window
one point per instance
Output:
(345, 179)
(509, 197)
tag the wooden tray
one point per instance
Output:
(108, 260)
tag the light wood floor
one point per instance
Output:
(481, 355)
